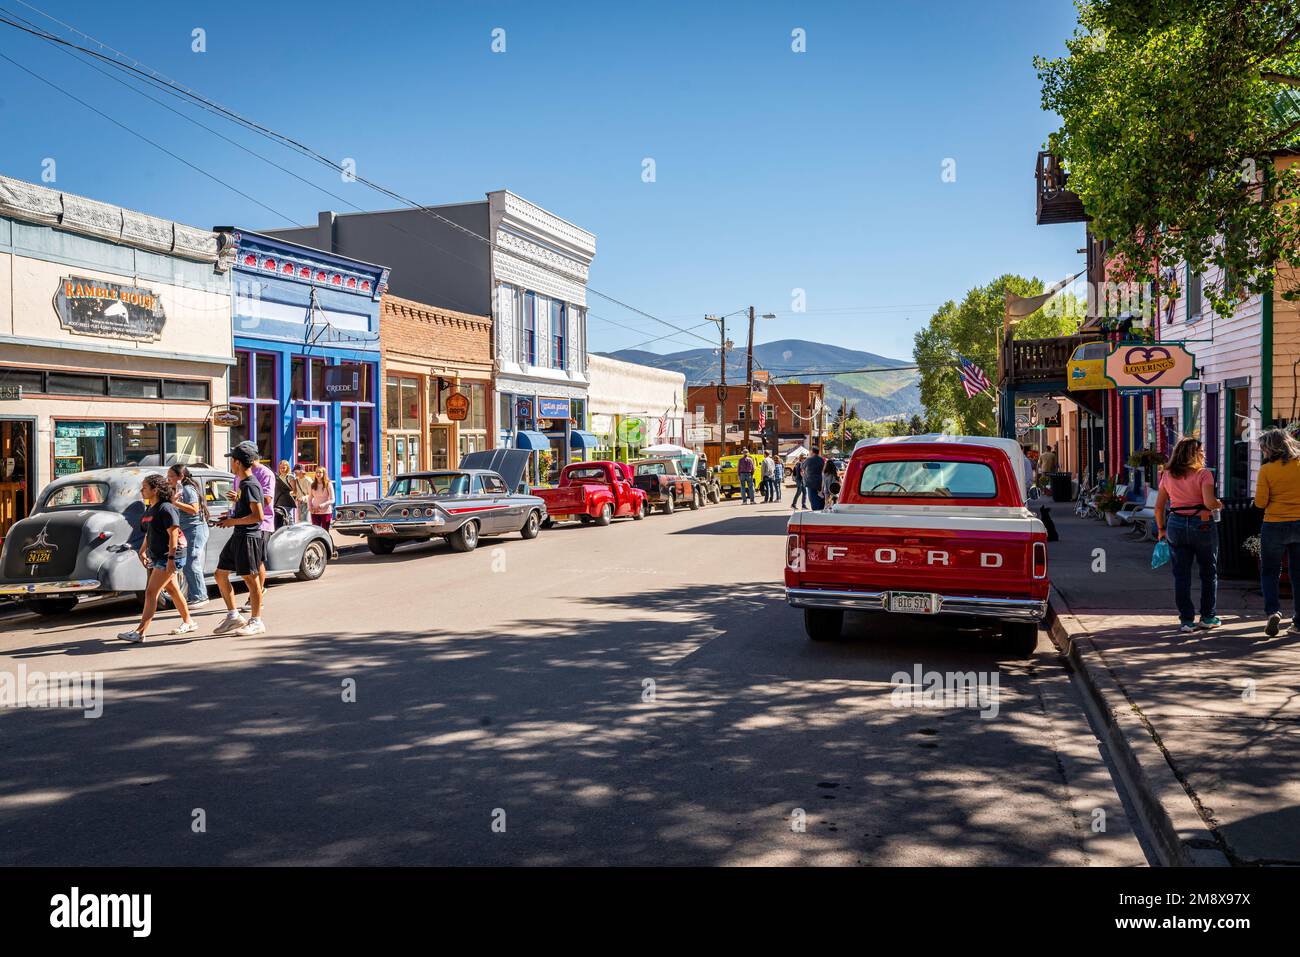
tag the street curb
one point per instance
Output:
(1177, 831)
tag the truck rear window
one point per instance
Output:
(587, 475)
(928, 479)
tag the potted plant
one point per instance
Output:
(1109, 504)
(1251, 547)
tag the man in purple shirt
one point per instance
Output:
(265, 478)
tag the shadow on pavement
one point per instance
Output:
(749, 721)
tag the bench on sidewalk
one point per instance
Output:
(1142, 516)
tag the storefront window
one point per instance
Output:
(261, 418)
(357, 423)
(133, 442)
(80, 447)
(188, 443)
(477, 418)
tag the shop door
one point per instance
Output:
(1238, 448)
(309, 447)
(439, 447)
(17, 481)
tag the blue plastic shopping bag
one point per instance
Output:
(1161, 554)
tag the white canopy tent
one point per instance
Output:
(667, 448)
(792, 457)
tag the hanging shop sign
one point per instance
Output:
(457, 407)
(524, 409)
(760, 385)
(96, 307)
(1156, 365)
(552, 408)
(345, 383)
(1087, 367)
(631, 431)
(228, 416)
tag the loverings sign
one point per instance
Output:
(1153, 365)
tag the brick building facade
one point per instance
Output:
(798, 410)
(429, 353)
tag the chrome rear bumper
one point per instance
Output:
(1014, 609)
(51, 588)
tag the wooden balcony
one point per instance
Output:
(1056, 204)
(1039, 360)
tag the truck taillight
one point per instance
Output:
(1040, 559)
(794, 553)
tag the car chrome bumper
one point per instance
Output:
(51, 588)
(1015, 609)
(399, 528)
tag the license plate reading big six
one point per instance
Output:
(913, 602)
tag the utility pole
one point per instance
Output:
(844, 413)
(749, 377)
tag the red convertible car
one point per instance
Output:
(594, 492)
(925, 525)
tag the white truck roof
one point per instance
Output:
(1010, 446)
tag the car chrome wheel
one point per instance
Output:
(314, 559)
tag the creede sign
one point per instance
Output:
(96, 307)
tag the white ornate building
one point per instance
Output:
(539, 276)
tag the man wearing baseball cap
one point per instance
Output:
(265, 478)
(245, 552)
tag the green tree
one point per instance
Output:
(1172, 111)
(915, 426)
(971, 329)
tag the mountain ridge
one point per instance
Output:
(889, 391)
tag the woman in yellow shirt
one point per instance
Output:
(1277, 492)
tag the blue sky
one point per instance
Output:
(774, 170)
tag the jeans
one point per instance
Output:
(816, 501)
(196, 542)
(1190, 538)
(800, 494)
(777, 482)
(765, 486)
(746, 487)
(1276, 538)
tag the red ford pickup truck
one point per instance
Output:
(925, 525)
(594, 492)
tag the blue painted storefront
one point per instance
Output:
(297, 310)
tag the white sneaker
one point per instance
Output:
(247, 609)
(185, 628)
(232, 623)
(198, 604)
(254, 627)
(132, 636)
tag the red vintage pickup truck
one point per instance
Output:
(925, 525)
(593, 492)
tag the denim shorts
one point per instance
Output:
(162, 563)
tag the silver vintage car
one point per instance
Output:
(84, 538)
(487, 495)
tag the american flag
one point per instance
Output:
(973, 379)
(663, 426)
(762, 419)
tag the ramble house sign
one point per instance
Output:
(1149, 365)
(96, 307)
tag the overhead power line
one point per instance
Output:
(123, 61)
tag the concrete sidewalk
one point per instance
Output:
(1207, 726)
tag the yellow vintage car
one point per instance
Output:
(728, 478)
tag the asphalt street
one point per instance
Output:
(638, 694)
